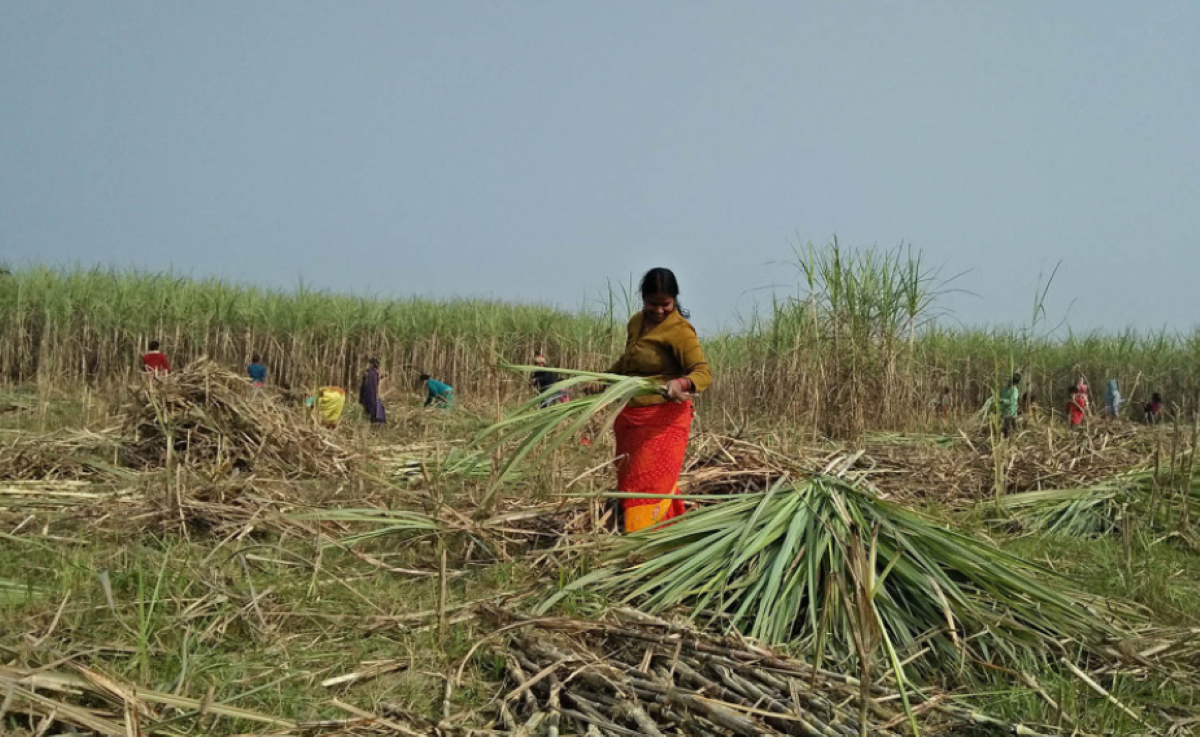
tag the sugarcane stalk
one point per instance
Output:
(555, 707)
(718, 715)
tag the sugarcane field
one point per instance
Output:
(672, 368)
(200, 533)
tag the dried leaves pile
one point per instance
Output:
(205, 415)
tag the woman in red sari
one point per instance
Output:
(652, 432)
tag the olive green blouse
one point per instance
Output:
(669, 350)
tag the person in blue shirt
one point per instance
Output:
(257, 371)
(436, 391)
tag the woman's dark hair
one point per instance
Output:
(662, 281)
(154, 345)
(1072, 390)
(1016, 378)
(424, 377)
(256, 358)
(373, 362)
(1155, 397)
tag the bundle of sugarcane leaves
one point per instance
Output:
(823, 563)
(458, 462)
(1099, 509)
(532, 423)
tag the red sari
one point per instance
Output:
(651, 444)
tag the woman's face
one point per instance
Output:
(656, 307)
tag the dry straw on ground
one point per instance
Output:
(68, 455)
(207, 416)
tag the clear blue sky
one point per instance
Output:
(534, 150)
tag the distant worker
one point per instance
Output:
(942, 405)
(1082, 395)
(652, 431)
(328, 405)
(436, 391)
(1153, 409)
(1076, 408)
(542, 380)
(1112, 400)
(257, 371)
(368, 393)
(155, 362)
(1010, 402)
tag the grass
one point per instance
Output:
(182, 623)
(1154, 572)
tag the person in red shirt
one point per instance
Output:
(1153, 409)
(1075, 409)
(154, 361)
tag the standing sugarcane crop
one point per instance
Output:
(652, 430)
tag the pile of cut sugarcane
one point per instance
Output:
(643, 676)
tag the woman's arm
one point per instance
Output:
(690, 355)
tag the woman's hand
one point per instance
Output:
(593, 387)
(679, 390)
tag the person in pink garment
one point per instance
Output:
(1076, 407)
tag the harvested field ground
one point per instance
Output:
(194, 558)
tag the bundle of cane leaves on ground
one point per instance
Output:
(786, 566)
(457, 463)
(532, 425)
(1084, 512)
(1099, 509)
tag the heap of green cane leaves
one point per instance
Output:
(786, 566)
(1100, 509)
(460, 463)
(532, 423)
(1091, 511)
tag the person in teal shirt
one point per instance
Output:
(436, 391)
(1009, 399)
